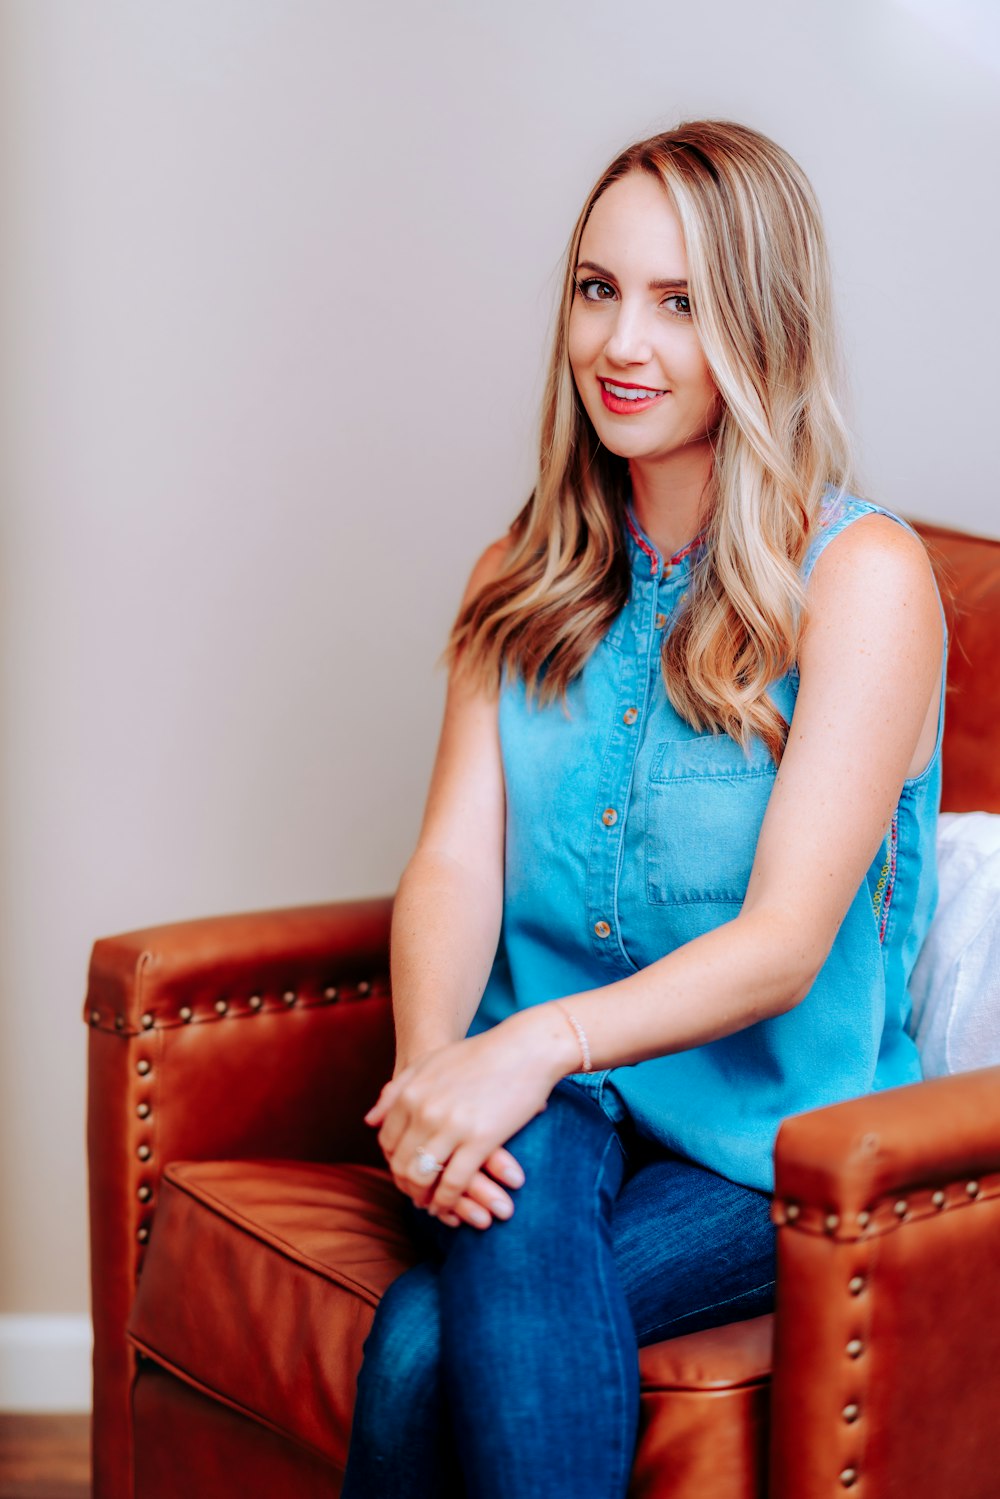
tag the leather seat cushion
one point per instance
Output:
(259, 1287)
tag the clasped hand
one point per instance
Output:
(460, 1103)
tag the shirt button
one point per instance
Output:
(602, 929)
(661, 620)
(630, 715)
(668, 568)
(609, 817)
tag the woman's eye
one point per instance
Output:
(595, 291)
(682, 307)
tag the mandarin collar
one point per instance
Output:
(646, 559)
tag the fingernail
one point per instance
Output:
(514, 1176)
(480, 1217)
(501, 1207)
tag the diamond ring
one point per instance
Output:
(426, 1164)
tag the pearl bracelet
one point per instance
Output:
(580, 1036)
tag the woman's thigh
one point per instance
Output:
(692, 1249)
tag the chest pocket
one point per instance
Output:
(705, 802)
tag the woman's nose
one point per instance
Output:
(629, 341)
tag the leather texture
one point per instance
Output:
(189, 1444)
(968, 573)
(243, 1227)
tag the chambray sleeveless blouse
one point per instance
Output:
(628, 833)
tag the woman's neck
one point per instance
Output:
(670, 499)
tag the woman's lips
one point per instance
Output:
(626, 405)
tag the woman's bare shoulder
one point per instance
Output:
(488, 566)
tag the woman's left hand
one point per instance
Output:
(460, 1103)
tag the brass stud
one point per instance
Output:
(95, 1017)
(899, 1208)
(365, 987)
(972, 1188)
(864, 1218)
(185, 1013)
(856, 1285)
(850, 1413)
(255, 1001)
(143, 1234)
(330, 993)
(289, 996)
(792, 1211)
(221, 1006)
(143, 1066)
(143, 1110)
(855, 1348)
(147, 1021)
(938, 1199)
(119, 1022)
(144, 1152)
(145, 1193)
(831, 1222)
(849, 1477)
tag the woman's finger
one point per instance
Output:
(483, 1192)
(456, 1176)
(383, 1103)
(504, 1167)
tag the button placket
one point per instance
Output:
(614, 789)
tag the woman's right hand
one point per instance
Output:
(484, 1199)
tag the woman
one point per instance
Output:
(677, 857)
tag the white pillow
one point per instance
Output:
(955, 986)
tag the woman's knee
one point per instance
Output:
(566, 1134)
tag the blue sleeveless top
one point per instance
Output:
(629, 833)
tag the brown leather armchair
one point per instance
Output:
(243, 1227)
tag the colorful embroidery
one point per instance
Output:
(832, 508)
(882, 898)
(654, 560)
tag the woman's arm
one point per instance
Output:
(860, 724)
(449, 904)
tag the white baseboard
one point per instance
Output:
(45, 1363)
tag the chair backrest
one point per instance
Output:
(968, 572)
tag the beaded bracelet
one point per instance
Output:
(580, 1036)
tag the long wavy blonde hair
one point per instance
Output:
(759, 284)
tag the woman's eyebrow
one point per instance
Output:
(670, 283)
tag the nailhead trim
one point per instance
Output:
(232, 1007)
(884, 1215)
(236, 1008)
(887, 1213)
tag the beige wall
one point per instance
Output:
(276, 276)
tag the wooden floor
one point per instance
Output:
(44, 1457)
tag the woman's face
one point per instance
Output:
(633, 347)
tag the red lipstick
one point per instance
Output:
(623, 405)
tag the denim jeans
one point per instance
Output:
(506, 1361)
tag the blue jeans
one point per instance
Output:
(506, 1362)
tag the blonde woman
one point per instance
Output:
(677, 856)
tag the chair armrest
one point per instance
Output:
(887, 1328)
(267, 1034)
